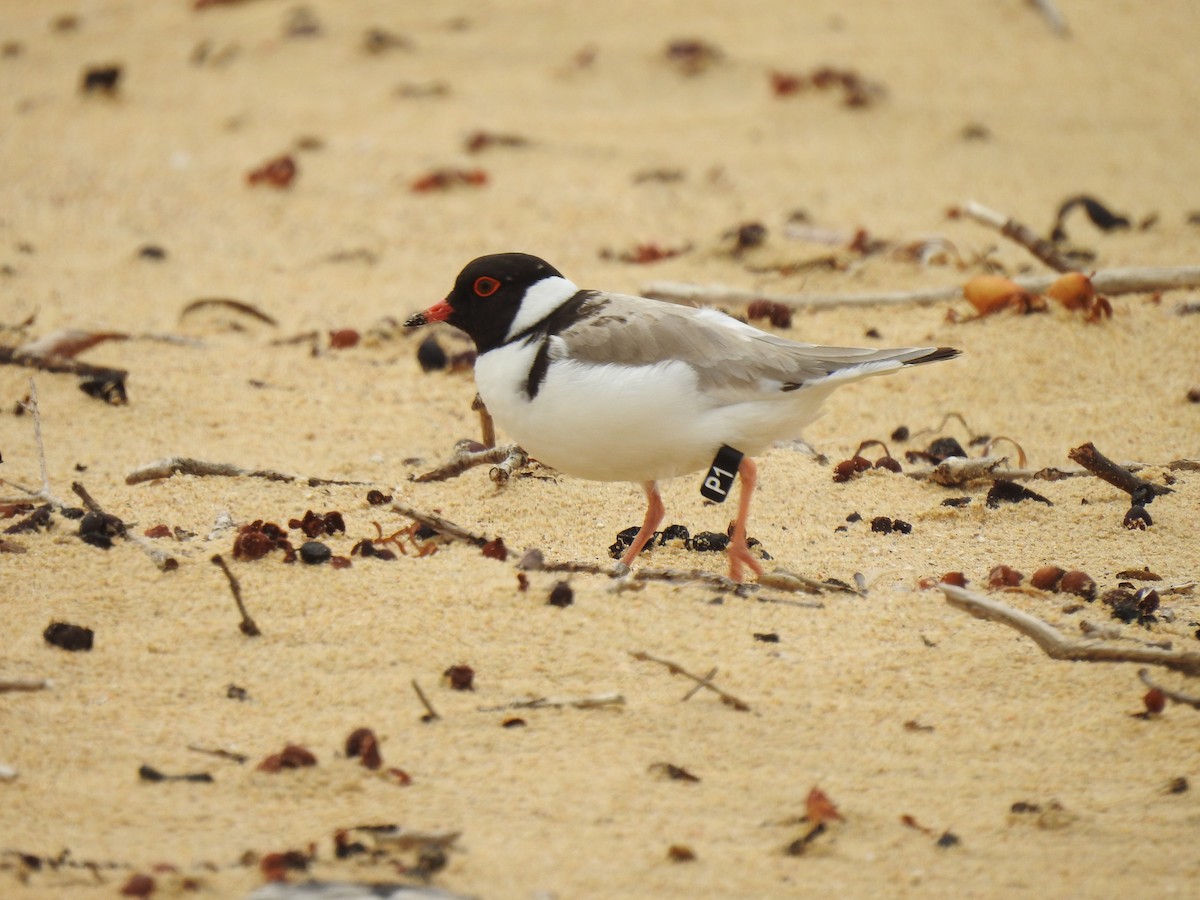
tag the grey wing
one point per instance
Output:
(724, 353)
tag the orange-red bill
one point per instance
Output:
(439, 312)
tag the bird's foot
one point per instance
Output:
(515, 459)
(508, 458)
(739, 556)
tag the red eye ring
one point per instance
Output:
(486, 285)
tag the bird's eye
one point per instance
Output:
(485, 286)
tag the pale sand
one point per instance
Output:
(566, 806)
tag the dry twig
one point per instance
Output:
(185, 465)
(676, 669)
(594, 702)
(165, 561)
(25, 684)
(706, 681)
(430, 712)
(1110, 282)
(1056, 646)
(14, 357)
(247, 625)
(43, 493)
(1118, 476)
(1022, 234)
(220, 753)
(440, 525)
(958, 470)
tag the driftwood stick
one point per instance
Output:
(958, 470)
(186, 465)
(1110, 282)
(1140, 490)
(246, 626)
(13, 357)
(430, 713)
(36, 411)
(220, 753)
(700, 685)
(88, 500)
(594, 701)
(1056, 646)
(165, 561)
(1022, 234)
(27, 685)
(440, 525)
(676, 669)
(43, 493)
(720, 295)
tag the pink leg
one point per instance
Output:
(739, 553)
(654, 517)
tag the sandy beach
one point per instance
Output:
(255, 322)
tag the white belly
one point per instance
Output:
(629, 423)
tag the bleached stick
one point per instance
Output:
(1110, 282)
(1056, 646)
(1021, 233)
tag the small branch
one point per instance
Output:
(593, 702)
(220, 753)
(957, 470)
(44, 492)
(185, 465)
(706, 681)
(149, 773)
(784, 580)
(1022, 234)
(35, 409)
(82, 493)
(430, 713)
(59, 364)
(720, 295)
(799, 604)
(165, 561)
(1173, 696)
(961, 469)
(1140, 490)
(441, 526)
(1056, 646)
(676, 669)
(25, 685)
(1110, 282)
(246, 626)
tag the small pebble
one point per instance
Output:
(314, 552)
